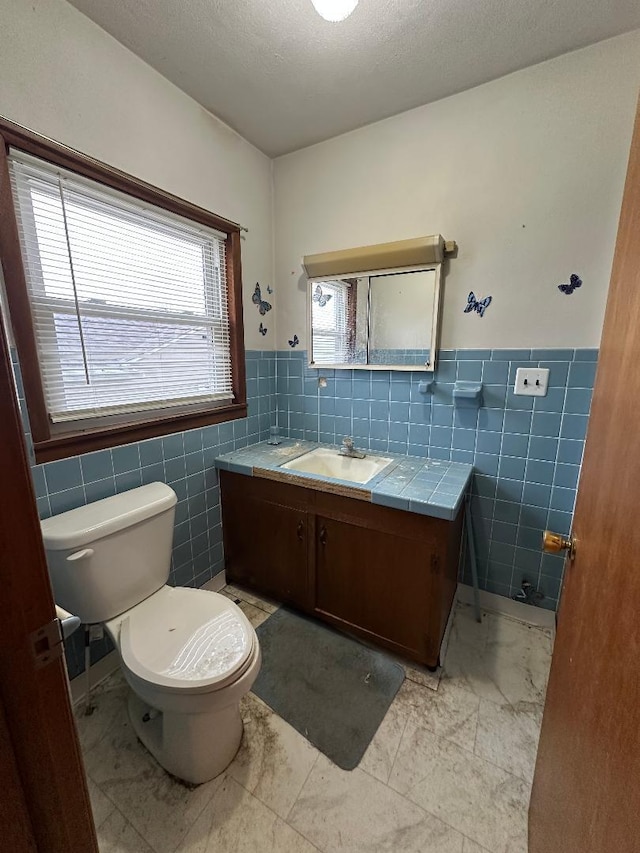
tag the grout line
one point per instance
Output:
(306, 779)
(475, 734)
(220, 780)
(407, 799)
(397, 752)
(475, 843)
(107, 797)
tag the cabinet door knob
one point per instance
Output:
(301, 530)
(323, 535)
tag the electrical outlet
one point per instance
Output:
(531, 381)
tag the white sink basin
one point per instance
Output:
(325, 462)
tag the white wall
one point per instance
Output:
(64, 77)
(525, 172)
(545, 148)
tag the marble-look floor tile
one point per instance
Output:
(274, 759)
(501, 660)
(480, 800)
(101, 805)
(457, 758)
(107, 701)
(465, 664)
(253, 613)
(381, 752)
(354, 813)
(466, 628)
(159, 807)
(470, 846)
(519, 658)
(508, 736)
(467, 667)
(450, 712)
(266, 604)
(421, 675)
(236, 822)
(117, 835)
(505, 631)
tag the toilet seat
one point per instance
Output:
(185, 641)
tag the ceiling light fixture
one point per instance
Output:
(334, 10)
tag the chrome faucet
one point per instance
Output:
(348, 449)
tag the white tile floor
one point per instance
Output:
(449, 770)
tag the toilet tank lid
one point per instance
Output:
(79, 527)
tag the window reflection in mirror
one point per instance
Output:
(338, 321)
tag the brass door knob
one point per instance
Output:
(554, 543)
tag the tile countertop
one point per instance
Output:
(426, 486)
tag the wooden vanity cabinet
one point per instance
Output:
(386, 575)
(266, 541)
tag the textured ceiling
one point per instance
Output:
(284, 78)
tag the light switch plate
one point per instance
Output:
(532, 381)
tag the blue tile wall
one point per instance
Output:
(526, 451)
(183, 460)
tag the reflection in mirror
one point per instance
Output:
(337, 338)
(401, 317)
(379, 319)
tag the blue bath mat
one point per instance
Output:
(330, 688)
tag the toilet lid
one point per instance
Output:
(190, 640)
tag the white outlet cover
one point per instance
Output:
(532, 381)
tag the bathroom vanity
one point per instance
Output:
(332, 549)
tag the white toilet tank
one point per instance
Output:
(107, 556)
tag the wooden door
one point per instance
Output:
(43, 781)
(265, 537)
(586, 792)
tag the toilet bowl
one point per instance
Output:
(188, 655)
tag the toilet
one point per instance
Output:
(188, 655)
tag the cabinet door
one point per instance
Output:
(266, 546)
(380, 583)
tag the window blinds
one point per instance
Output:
(330, 324)
(129, 302)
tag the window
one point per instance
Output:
(128, 310)
(129, 305)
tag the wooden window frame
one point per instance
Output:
(47, 444)
(352, 308)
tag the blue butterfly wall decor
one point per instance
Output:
(269, 290)
(257, 299)
(294, 342)
(478, 305)
(262, 330)
(574, 283)
(320, 297)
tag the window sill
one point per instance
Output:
(86, 441)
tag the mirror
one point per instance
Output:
(387, 319)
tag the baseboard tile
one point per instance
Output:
(216, 583)
(98, 672)
(526, 613)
